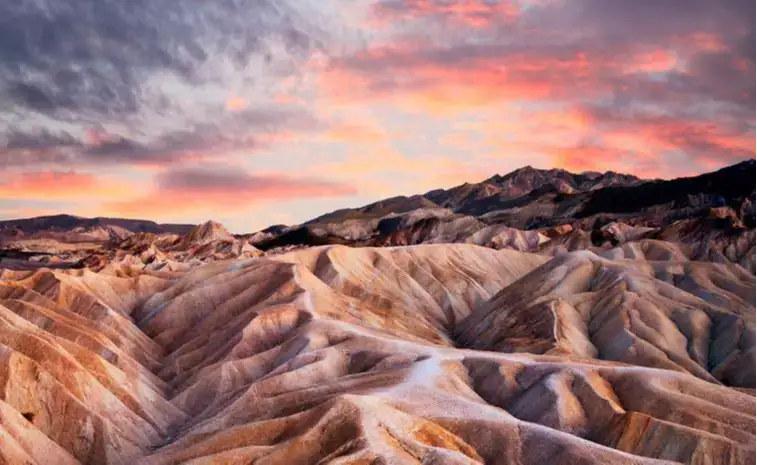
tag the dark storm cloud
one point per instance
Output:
(148, 68)
(95, 53)
(30, 96)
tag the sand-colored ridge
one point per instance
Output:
(431, 354)
(697, 317)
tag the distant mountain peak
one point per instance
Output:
(557, 171)
(206, 232)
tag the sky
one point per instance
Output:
(260, 112)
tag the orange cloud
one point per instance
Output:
(544, 122)
(59, 185)
(458, 140)
(585, 158)
(656, 61)
(418, 76)
(215, 191)
(23, 212)
(236, 104)
(440, 84)
(438, 87)
(381, 170)
(640, 145)
(702, 41)
(285, 99)
(355, 133)
(694, 137)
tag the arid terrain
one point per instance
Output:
(540, 317)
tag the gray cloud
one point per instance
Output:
(244, 130)
(655, 20)
(146, 71)
(227, 180)
(39, 139)
(31, 96)
(97, 54)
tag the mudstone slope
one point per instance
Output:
(528, 319)
(447, 354)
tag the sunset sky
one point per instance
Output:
(256, 112)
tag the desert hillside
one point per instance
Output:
(537, 317)
(378, 232)
(447, 353)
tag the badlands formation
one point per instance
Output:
(413, 331)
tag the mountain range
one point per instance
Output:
(528, 210)
(536, 317)
(66, 223)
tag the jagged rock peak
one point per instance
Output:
(206, 232)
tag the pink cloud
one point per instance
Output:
(223, 189)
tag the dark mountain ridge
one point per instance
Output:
(532, 199)
(63, 222)
(494, 193)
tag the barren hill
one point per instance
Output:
(422, 330)
(426, 354)
(31, 226)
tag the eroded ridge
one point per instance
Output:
(434, 354)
